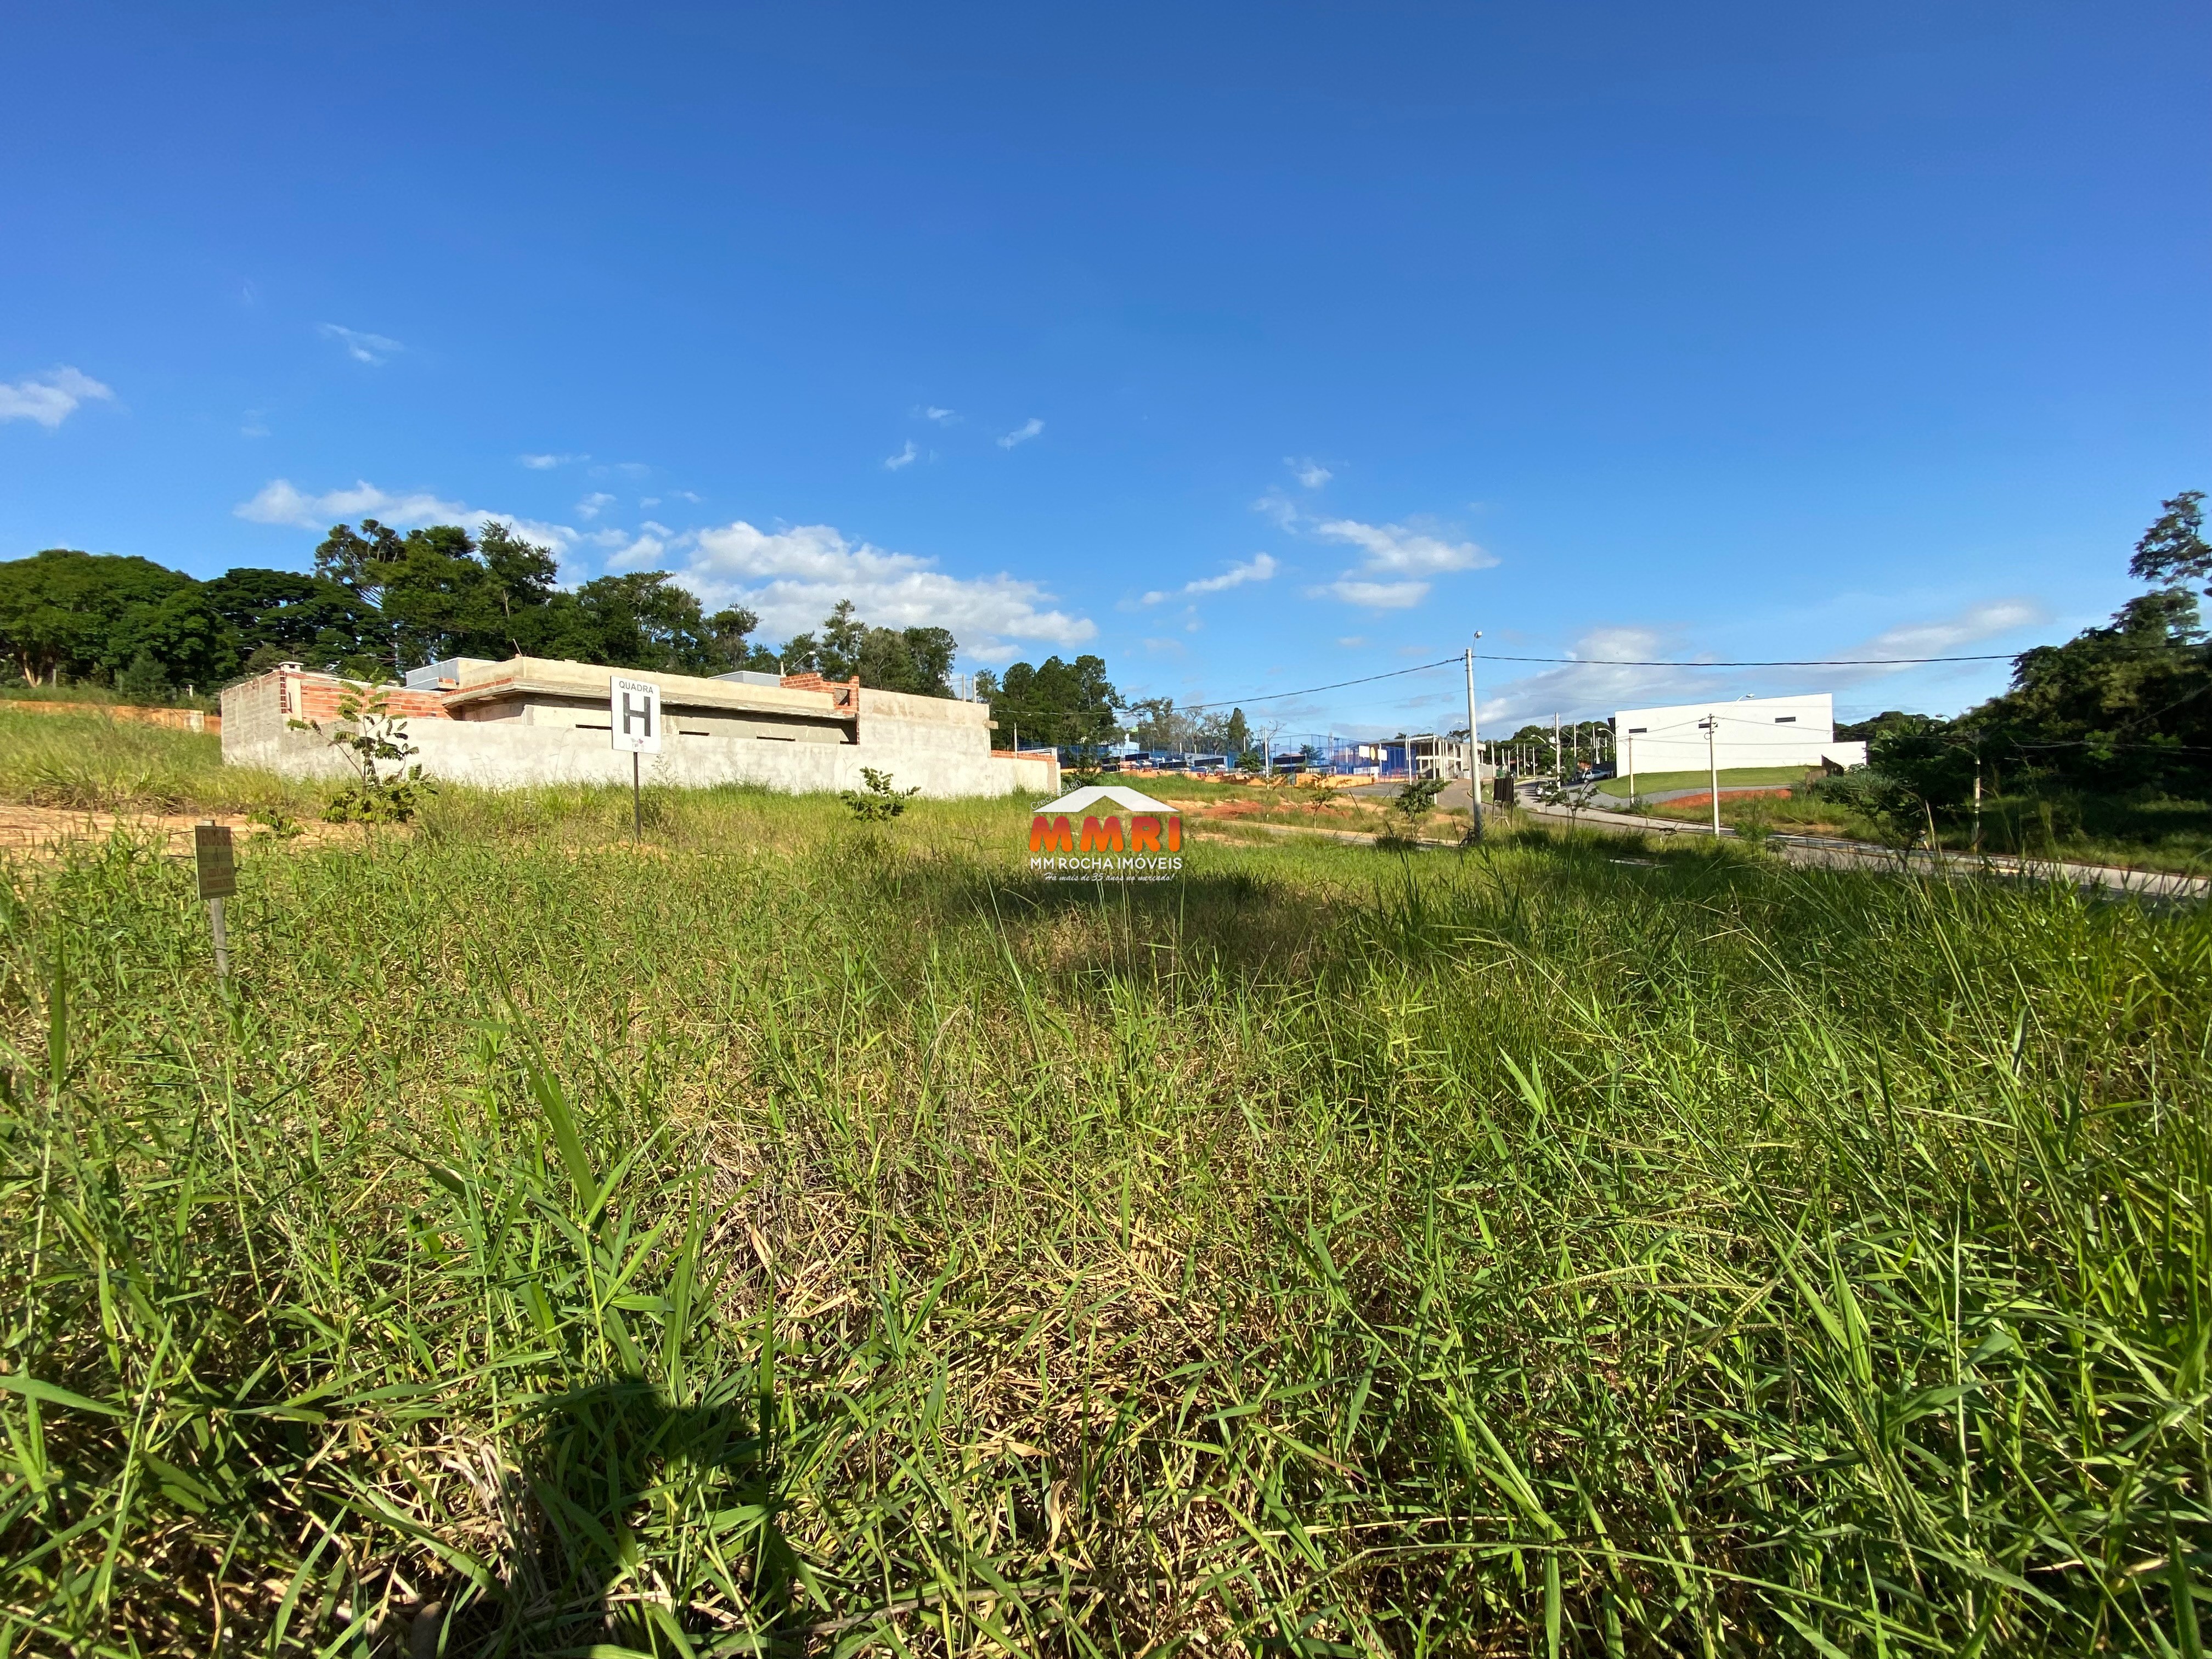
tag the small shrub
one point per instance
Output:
(1754, 823)
(1414, 800)
(881, 801)
(372, 738)
(280, 824)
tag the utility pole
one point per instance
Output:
(1713, 763)
(1632, 765)
(1559, 765)
(1977, 797)
(1474, 754)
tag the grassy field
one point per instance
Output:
(95, 762)
(1732, 777)
(796, 1236)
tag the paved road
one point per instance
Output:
(1819, 852)
(1832, 851)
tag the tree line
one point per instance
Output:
(378, 603)
(2122, 709)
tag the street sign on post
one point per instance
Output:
(634, 723)
(634, 707)
(216, 865)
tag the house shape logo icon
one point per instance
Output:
(1134, 823)
(1082, 800)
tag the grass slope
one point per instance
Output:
(92, 761)
(1732, 777)
(802, 1233)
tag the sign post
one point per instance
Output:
(217, 867)
(634, 722)
(1473, 757)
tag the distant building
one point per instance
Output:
(1748, 732)
(532, 720)
(1427, 755)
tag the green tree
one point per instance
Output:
(1159, 726)
(279, 616)
(66, 612)
(182, 632)
(2127, 705)
(728, 632)
(843, 634)
(642, 619)
(918, 660)
(1066, 704)
(143, 681)
(2173, 552)
(1237, 735)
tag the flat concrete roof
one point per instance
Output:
(543, 677)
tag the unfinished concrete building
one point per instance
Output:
(532, 720)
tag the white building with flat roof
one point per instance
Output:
(1747, 731)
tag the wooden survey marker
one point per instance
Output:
(218, 867)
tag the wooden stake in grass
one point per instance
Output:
(217, 867)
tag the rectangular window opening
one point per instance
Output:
(1785, 720)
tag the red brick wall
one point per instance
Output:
(847, 692)
(318, 697)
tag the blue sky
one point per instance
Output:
(1251, 347)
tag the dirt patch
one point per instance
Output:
(1704, 797)
(50, 829)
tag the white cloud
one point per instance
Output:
(1375, 596)
(1389, 550)
(50, 398)
(1309, 471)
(1973, 625)
(792, 577)
(1403, 551)
(361, 347)
(547, 463)
(648, 500)
(1022, 434)
(942, 416)
(686, 495)
(594, 504)
(281, 502)
(645, 552)
(906, 457)
(1353, 641)
(1260, 568)
(1599, 688)
(255, 426)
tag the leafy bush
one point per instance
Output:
(880, 801)
(371, 738)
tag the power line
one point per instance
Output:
(1821, 662)
(1277, 696)
(1604, 662)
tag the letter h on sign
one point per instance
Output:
(634, 715)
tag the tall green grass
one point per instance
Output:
(90, 761)
(797, 1236)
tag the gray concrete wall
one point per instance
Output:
(941, 746)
